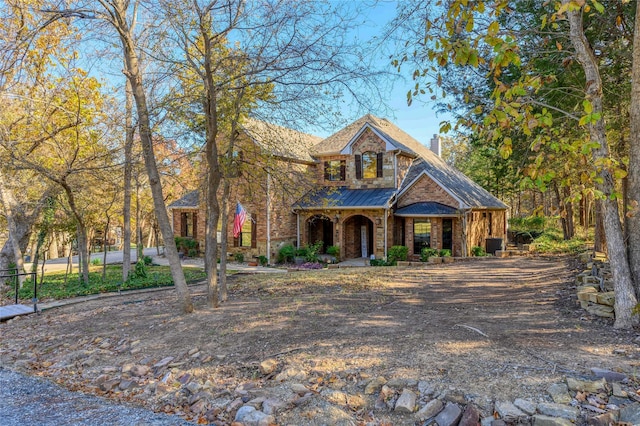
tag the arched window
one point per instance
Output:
(369, 165)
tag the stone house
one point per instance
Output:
(367, 187)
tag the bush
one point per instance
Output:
(379, 262)
(478, 251)
(313, 250)
(140, 270)
(333, 251)
(147, 260)
(286, 254)
(426, 253)
(444, 253)
(239, 257)
(96, 261)
(397, 253)
(192, 252)
(262, 260)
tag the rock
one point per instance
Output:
(455, 396)
(608, 298)
(299, 388)
(586, 386)
(334, 396)
(559, 393)
(630, 414)
(374, 385)
(272, 405)
(268, 366)
(609, 376)
(109, 385)
(199, 407)
(616, 390)
(193, 351)
(432, 408)
(606, 419)
(126, 368)
(508, 411)
(528, 407)
(541, 420)
(450, 416)
(291, 374)
(163, 362)
(356, 401)
(406, 403)
(127, 384)
(425, 388)
(558, 410)
(139, 370)
(497, 422)
(398, 383)
(470, 417)
(249, 416)
(193, 387)
(601, 311)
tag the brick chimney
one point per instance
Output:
(435, 144)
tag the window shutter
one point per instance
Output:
(326, 170)
(358, 167)
(254, 232)
(343, 170)
(183, 224)
(379, 164)
(195, 225)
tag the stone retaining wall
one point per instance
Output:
(594, 286)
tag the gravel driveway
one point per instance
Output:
(26, 400)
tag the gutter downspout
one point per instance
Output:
(297, 229)
(268, 218)
(465, 232)
(386, 227)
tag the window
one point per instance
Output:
(247, 237)
(334, 170)
(369, 165)
(188, 223)
(421, 235)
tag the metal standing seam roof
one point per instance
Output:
(426, 209)
(342, 197)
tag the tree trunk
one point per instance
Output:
(9, 202)
(128, 165)
(633, 218)
(599, 239)
(563, 212)
(118, 11)
(224, 240)
(104, 249)
(617, 254)
(568, 206)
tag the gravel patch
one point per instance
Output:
(28, 400)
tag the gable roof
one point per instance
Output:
(281, 141)
(467, 192)
(188, 201)
(343, 197)
(459, 186)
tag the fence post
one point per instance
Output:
(35, 292)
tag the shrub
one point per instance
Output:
(262, 260)
(478, 251)
(379, 262)
(333, 251)
(148, 260)
(426, 253)
(140, 270)
(286, 254)
(96, 262)
(397, 253)
(444, 252)
(192, 252)
(239, 257)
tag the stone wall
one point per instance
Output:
(425, 189)
(594, 286)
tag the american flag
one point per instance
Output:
(238, 221)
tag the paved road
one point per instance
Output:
(60, 264)
(26, 400)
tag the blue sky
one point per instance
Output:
(420, 119)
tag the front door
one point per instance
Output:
(363, 240)
(447, 234)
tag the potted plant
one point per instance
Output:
(445, 254)
(334, 251)
(300, 255)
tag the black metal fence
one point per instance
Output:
(15, 276)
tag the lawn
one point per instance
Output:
(54, 287)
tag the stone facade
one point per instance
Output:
(425, 189)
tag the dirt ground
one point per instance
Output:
(495, 329)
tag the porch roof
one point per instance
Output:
(426, 209)
(346, 198)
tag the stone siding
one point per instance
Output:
(425, 189)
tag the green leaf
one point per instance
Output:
(599, 7)
(588, 108)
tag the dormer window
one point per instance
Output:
(369, 165)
